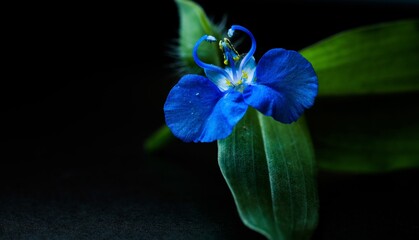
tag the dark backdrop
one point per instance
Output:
(84, 86)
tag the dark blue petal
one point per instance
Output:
(286, 85)
(196, 110)
(227, 113)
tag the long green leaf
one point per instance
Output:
(193, 24)
(366, 134)
(269, 168)
(359, 124)
(381, 58)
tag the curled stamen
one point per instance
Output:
(252, 48)
(203, 65)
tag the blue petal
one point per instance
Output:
(196, 110)
(286, 85)
(226, 114)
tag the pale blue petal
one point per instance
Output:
(249, 68)
(218, 79)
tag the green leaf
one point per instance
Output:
(366, 134)
(159, 139)
(269, 168)
(364, 120)
(381, 58)
(193, 24)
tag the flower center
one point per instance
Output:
(235, 74)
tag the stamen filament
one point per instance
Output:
(226, 47)
(203, 65)
(233, 67)
(252, 48)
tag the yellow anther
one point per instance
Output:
(228, 82)
(244, 75)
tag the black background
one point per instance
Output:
(84, 85)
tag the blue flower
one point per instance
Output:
(204, 109)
